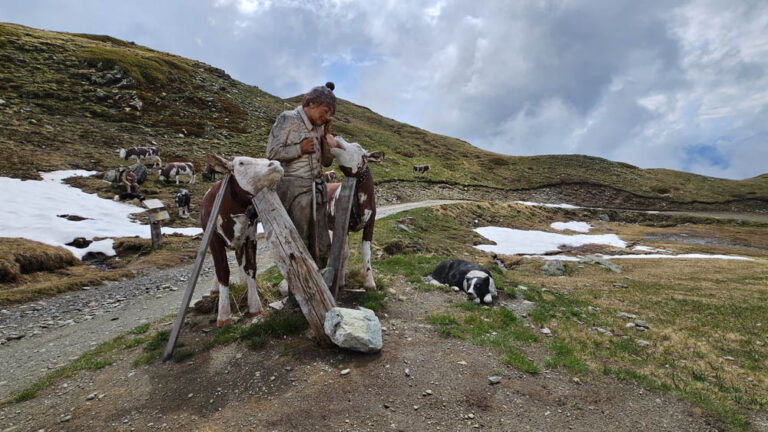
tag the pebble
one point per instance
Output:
(346, 371)
(427, 393)
(642, 342)
(91, 396)
(407, 372)
(66, 419)
(494, 379)
(546, 331)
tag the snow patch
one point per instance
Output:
(30, 209)
(565, 206)
(572, 226)
(512, 241)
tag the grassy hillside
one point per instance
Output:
(71, 100)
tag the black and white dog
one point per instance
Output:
(182, 200)
(468, 277)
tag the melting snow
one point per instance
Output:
(565, 206)
(572, 226)
(30, 210)
(512, 241)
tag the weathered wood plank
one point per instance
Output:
(341, 230)
(295, 262)
(207, 235)
(153, 204)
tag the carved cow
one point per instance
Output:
(175, 169)
(236, 226)
(353, 161)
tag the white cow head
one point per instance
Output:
(353, 158)
(252, 174)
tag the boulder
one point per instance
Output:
(355, 329)
(592, 259)
(553, 268)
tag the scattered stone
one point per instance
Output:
(630, 325)
(15, 336)
(602, 262)
(522, 288)
(729, 358)
(404, 228)
(462, 362)
(576, 380)
(407, 372)
(357, 330)
(136, 103)
(2, 102)
(278, 305)
(546, 331)
(642, 324)
(643, 343)
(346, 372)
(619, 285)
(626, 316)
(91, 396)
(494, 380)
(553, 268)
(604, 217)
(282, 287)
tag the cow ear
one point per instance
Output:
(218, 163)
(376, 156)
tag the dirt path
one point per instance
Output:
(54, 331)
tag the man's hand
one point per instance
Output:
(307, 145)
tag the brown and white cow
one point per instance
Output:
(353, 161)
(420, 169)
(329, 176)
(175, 169)
(148, 154)
(236, 225)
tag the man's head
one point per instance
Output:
(320, 104)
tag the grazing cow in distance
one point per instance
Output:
(175, 169)
(209, 174)
(182, 201)
(353, 161)
(329, 177)
(148, 154)
(235, 227)
(420, 169)
(469, 277)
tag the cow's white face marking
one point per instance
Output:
(255, 174)
(349, 155)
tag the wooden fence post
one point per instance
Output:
(340, 230)
(295, 262)
(157, 212)
(192, 281)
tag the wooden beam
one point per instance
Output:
(341, 230)
(192, 281)
(295, 262)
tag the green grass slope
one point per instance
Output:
(71, 100)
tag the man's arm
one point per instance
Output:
(278, 147)
(327, 142)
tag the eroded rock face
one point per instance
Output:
(354, 329)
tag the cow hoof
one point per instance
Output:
(370, 287)
(222, 323)
(254, 314)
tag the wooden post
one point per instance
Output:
(341, 230)
(295, 262)
(156, 211)
(192, 281)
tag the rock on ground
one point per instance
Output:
(357, 330)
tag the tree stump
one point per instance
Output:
(295, 262)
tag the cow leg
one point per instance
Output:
(192, 180)
(177, 179)
(247, 261)
(219, 253)
(365, 251)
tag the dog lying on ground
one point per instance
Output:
(468, 277)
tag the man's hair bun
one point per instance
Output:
(330, 85)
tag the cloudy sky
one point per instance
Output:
(672, 84)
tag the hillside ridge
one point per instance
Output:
(70, 100)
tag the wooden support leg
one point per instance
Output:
(207, 235)
(341, 230)
(295, 262)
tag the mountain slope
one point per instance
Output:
(72, 100)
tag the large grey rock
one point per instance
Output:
(282, 287)
(554, 268)
(354, 329)
(592, 259)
